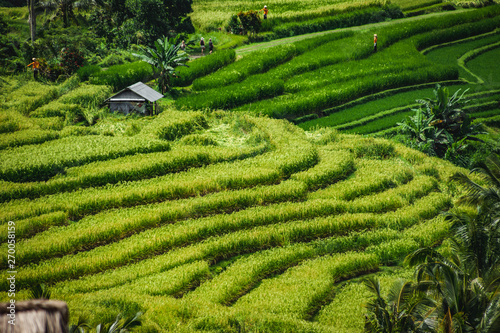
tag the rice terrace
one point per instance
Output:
(332, 167)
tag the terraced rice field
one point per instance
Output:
(226, 221)
(379, 113)
(315, 77)
(212, 15)
(172, 231)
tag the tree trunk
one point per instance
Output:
(32, 20)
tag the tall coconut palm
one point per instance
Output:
(464, 302)
(478, 232)
(406, 309)
(485, 198)
(164, 58)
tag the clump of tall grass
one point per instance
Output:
(171, 125)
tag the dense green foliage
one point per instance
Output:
(225, 221)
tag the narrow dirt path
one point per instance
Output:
(259, 46)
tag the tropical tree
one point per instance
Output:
(64, 9)
(32, 19)
(441, 126)
(163, 58)
(464, 301)
(422, 134)
(250, 21)
(486, 199)
(463, 280)
(466, 282)
(406, 308)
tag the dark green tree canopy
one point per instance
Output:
(141, 21)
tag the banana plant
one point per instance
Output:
(164, 58)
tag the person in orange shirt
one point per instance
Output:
(265, 12)
(36, 66)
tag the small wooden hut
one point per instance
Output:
(135, 98)
(35, 316)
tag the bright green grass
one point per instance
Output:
(373, 107)
(345, 312)
(486, 114)
(391, 120)
(487, 66)
(380, 124)
(414, 4)
(449, 54)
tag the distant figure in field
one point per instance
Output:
(210, 45)
(183, 46)
(202, 45)
(375, 43)
(265, 12)
(36, 66)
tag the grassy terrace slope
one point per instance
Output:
(174, 227)
(316, 77)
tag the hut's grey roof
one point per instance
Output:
(138, 92)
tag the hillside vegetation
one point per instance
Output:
(165, 223)
(314, 76)
(251, 203)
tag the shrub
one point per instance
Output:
(250, 21)
(70, 60)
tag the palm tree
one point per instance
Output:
(486, 199)
(467, 281)
(464, 302)
(164, 58)
(406, 309)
